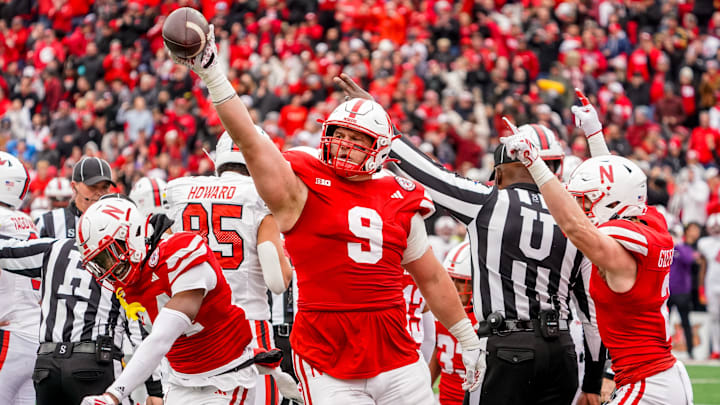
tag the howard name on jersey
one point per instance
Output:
(19, 295)
(638, 340)
(347, 248)
(219, 333)
(227, 212)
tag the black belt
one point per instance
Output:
(282, 329)
(73, 347)
(514, 325)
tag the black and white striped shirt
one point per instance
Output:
(59, 223)
(74, 308)
(522, 261)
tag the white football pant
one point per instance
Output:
(670, 387)
(17, 362)
(408, 385)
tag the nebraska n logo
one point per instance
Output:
(114, 212)
(606, 171)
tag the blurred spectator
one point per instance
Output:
(137, 119)
(691, 196)
(704, 140)
(669, 110)
(681, 280)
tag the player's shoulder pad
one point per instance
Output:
(629, 234)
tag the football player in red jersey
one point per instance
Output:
(179, 284)
(350, 230)
(603, 213)
(446, 360)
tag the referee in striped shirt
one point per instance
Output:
(82, 323)
(91, 179)
(524, 273)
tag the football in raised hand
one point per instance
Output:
(185, 32)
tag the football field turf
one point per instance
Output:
(705, 380)
(706, 383)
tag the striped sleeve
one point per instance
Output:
(190, 251)
(24, 257)
(462, 197)
(630, 239)
(585, 307)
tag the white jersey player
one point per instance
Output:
(227, 210)
(19, 296)
(150, 195)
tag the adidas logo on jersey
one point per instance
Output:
(397, 194)
(154, 278)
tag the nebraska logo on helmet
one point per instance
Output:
(114, 212)
(366, 117)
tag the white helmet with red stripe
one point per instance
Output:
(226, 151)
(609, 187)
(150, 195)
(111, 237)
(59, 189)
(549, 149)
(366, 117)
(14, 181)
(713, 224)
(457, 261)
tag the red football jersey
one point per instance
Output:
(452, 369)
(347, 247)
(414, 307)
(634, 325)
(219, 332)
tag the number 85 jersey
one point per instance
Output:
(227, 212)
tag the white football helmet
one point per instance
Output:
(39, 206)
(111, 237)
(613, 185)
(364, 116)
(14, 181)
(458, 265)
(59, 191)
(226, 151)
(549, 149)
(570, 163)
(713, 224)
(150, 196)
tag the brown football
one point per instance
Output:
(185, 32)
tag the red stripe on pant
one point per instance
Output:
(627, 394)
(235, 395)
(300, 372)
(263, 340)
(4, 343)
(640, 393)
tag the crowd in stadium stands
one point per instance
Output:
(92, 78)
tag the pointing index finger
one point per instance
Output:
(582, 97)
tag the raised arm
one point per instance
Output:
(618, 265)
(587, 119)
(283, 192)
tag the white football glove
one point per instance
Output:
(286, 385)
(475, 365)
(586, 117)
(521, 148)
(202, 62)
(104, 399)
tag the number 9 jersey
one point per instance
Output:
(347, 247)
(227, 212)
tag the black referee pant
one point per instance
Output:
(66, 380)
(525, 368)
